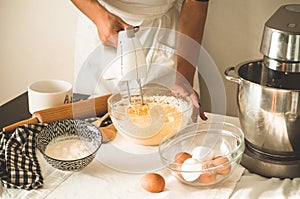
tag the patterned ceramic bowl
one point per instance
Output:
(69, 144)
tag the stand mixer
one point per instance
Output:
(268, 98)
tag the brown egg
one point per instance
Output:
(153, 182)
(179, 159)
(208, 177)
(221, 160)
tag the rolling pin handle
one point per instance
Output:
(12, 127)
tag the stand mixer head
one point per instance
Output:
(281, 40)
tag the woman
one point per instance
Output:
(157, 22)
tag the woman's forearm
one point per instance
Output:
(108, 24)
(91, 8)
(191, 24)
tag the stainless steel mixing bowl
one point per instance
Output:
(269, 108)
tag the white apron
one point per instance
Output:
(158, 22)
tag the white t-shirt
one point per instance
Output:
(135, 11)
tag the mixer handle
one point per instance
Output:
(229, 77)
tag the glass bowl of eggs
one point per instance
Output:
(69, 145)
(146, 116)
(203, 154)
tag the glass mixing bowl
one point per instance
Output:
(203, 154)
(145, 121)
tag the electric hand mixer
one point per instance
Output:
(146, 114)
(130, 67)
(130, 63)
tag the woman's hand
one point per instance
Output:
(108, 27)
(187, 91)
(108, 24)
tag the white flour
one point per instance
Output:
(67, 149)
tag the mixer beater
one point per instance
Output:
(133, 60)
(130, 67)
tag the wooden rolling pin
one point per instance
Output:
(78, 110)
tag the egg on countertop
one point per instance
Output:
(153, 182)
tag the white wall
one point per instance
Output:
(37, 39)
(36, 42)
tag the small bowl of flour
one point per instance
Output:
(69, 145)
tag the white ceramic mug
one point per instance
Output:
(48, 93)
